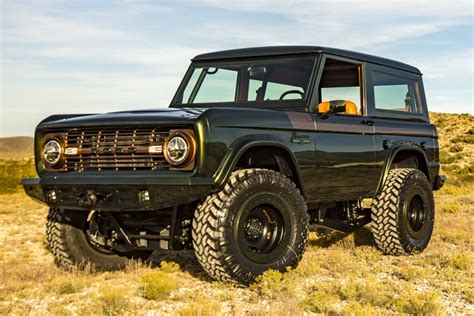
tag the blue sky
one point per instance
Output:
(99, 56)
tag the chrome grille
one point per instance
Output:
(127, 148)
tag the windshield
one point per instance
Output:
(277, 80)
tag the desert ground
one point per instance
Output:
(338, 275)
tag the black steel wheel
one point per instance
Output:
(261, 232)
(415, 215)
(403, 213)
(257, 222)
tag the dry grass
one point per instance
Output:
(338, 274)
(347, 276)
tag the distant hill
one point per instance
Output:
(456, 139)
(16, 147)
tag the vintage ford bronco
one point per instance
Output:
(258, 146)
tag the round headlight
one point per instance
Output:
(52, 152)
(177, 149)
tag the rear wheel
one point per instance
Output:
(403, 213)
(72, 239)
(257, 222)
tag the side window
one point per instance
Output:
(343, 93)
(341, 81)
(395, 93)
(218, 86)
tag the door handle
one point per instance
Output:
(367, 122)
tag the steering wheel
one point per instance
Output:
(292, 92)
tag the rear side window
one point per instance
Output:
(395, 93)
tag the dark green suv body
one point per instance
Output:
(257, 146)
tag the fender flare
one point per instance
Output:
(392, 153)
(240, 146)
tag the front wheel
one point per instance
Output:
(259, 221)
(70, 239)
(403, 213)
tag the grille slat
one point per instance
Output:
(115, 149)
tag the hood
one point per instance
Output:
(170, 116)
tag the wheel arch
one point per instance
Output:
(283, 161)
(403, 156)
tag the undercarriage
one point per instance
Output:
(149, 230)
(170, 228)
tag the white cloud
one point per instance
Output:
(59, 56)
(345, 24)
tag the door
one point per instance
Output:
(345, 150)
(345, 157)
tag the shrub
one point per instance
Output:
(169, 267)
(446, 158)
(454, 236)
(456, 148)
(427, 303)
(203, 306)
(410, 273)
(268, 283)
(451, 207)
(157, 285)
(468, 294)
(466, 139)
(368, 253)
(66, 287)
(112, 300)
(461, 262)
(463, 173)
(320, 301)
(356, 309)
(366, 291)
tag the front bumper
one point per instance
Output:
(114, 193)
(439, 182)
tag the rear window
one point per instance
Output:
(395, 93)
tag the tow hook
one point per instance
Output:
(89, 199)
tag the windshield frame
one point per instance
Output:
(271, 104)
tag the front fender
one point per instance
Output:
(240, 146)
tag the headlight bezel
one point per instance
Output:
(60, 160)
(188, 162)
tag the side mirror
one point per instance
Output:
(330, 107)
(337, 108)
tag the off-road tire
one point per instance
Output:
(391, 226)
(215, 240)
(68, 243)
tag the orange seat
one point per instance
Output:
(350, 107)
